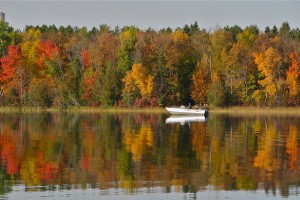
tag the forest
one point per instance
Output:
(49, 66)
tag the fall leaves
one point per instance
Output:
(292, 75)
(137, 81)
(132, 67)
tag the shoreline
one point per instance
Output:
(239, 110)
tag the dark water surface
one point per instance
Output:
(148, 156)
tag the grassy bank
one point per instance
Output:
(239, 110)
(82, 109)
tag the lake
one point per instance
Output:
(149, 156)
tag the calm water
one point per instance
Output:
(149, 156)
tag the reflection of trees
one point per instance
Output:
(140, 150)
(137, 142)
(292, 148)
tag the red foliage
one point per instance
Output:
(292, 75)
(85, 162)
(9, 155)
(140, 103)
(47, 170)
(143, 102)
(153, 102)
(47, 50)
(86, 59)
(10, 63)
(89, 81)
(120, 104)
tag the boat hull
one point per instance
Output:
(185, 111)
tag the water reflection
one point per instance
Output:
(134, 151)
(182, 119)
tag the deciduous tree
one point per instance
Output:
(267, 63)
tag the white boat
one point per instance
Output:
(182, 119)
(186, 111)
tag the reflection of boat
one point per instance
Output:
(182, 119)
(186, 111)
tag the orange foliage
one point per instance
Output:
(179, 36)
(138, 78)
(138, 142)
(86, 59)
(265, 155)
(142, 80)
(200, 84)
(10, 63)
(89, 145)
(292, 75)
(267, 62)
(9, 154)
(47, 170)
(47, 50)
(89, 81)
(292, 148)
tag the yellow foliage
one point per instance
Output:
(266, 157)
(267, 62)
(125, 34)
(247, 37)
(271, 89)
(200, 83)
(129, 84)
(138, 142)
(149, 87)
(198, 139)
(138, 77)
(29, 46)
(179, 36)
(258, 97)
(29, 172)
(128, 36)
(292, 147)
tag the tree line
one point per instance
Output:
(46, 66)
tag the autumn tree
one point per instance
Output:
(30, 47)
(221, 44)
(180, 62)
(8, 36)
(106, 86)
(103, 51)
(138, 79)
(127, 40)
(130, 91)
(268, 63)
(72, 85)
(217, 93)
(201, 82)
(292, 78)
(239, 67)
(12, 76)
